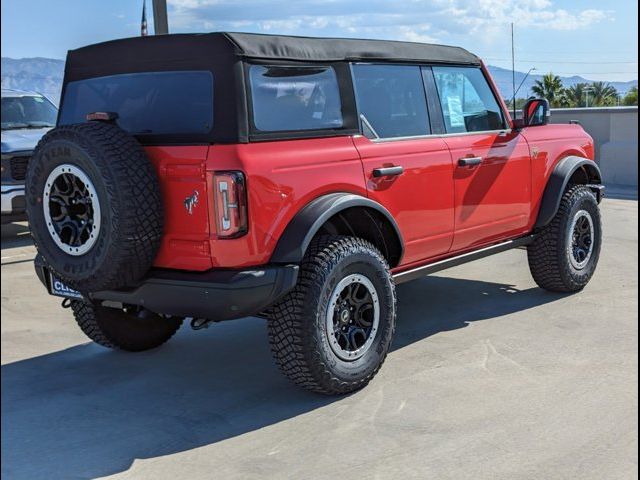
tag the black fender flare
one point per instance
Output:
(557, 184)
(298, 234)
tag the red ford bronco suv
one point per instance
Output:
(216, 176)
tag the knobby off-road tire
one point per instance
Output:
(351, 275)
(94, 206)
(564, 255)
(134, 331)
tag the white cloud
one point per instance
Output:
(417, 34)
(483, 14)
(417, 20)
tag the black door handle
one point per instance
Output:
(387, 171)
(469, 161)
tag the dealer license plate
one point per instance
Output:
(58, 288)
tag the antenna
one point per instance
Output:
(513, 71)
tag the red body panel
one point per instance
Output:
(549, 144)
(440, 208)
(181, 171)
(282, 177)
(493, 199)
(421, 199)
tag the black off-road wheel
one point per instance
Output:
(332, 333)
(564, 255)
(132, 329)
(94, 206)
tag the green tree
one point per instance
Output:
(603, 94)
(631, 98)
(520, 103)
(549, 87)
(574, 96)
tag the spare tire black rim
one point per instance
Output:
(581, 240)
(352, 317)
(71, 209)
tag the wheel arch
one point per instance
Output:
(570, 170)
(340, 213)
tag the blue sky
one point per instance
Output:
(591, 38)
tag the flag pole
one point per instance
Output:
(513, 71)
(143, 23)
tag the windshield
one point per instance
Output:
(29, 111)
(146, 103)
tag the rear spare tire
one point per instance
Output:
(94, 206)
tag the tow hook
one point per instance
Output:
(200, 323)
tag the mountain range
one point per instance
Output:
(503, 79)
(44, 75)
(39, 74)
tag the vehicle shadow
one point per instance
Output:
(15, 235)
(87, 412)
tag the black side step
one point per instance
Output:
(418, 272)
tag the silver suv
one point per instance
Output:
(26, 117)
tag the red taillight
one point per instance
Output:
(230, 199)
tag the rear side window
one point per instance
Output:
(146, 103)
(294, 98)
(468, 104)
(391, 100)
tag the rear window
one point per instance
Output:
(146, 103)
(294, 98)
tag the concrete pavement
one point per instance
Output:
(489, 378)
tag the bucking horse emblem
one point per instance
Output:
(191, 201)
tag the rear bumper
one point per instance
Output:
(215, 295)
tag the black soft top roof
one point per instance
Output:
(274, 47)
(223, 47)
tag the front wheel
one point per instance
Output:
(332, 333)
(564, 255)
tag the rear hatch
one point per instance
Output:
(169, 113)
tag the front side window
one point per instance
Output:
(294, 98)
(468, 104)
(27, 111)
(391, 100)
(146, 103)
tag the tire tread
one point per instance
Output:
(297, 351)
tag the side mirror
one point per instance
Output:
(535, 112)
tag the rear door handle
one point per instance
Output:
(469, 161)
(387, 171)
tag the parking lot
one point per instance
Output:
(489, 378)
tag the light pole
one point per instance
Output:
(586, 92)
(160, 22)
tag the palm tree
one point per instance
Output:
(549, 87)
(631, 98)
(604, 94)
(574, 96)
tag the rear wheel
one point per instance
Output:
(564, 255)
(332, 333)
(133, 328)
